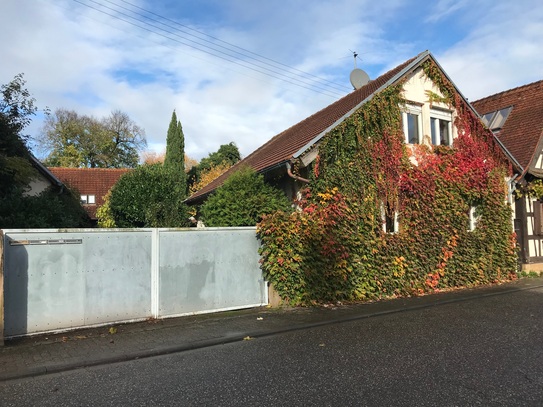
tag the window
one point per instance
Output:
(473, 218)
(495, 120)
(88, 199)
(441, 128)
(412, 127)
(390, 222)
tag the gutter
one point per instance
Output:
(296, 177)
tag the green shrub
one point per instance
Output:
(148, 197)
(242, 200)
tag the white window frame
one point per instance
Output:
(396, 223)
(473, 218)
(445, 116)
(88, 199)
(416, 110)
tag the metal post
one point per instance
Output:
(155, 270)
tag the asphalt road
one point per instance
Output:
(485, 351)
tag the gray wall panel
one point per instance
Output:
(204, 270)
(56, 280)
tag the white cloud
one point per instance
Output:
(502, 52)
(444, 8)
(77, 58)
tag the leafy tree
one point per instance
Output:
(208, 175)
(175, 154)
(146, 197)
(105, 214)
(51, 208)
(242, 200)
(227, 153)
(16, 108)
(212, 166)
(73, 140)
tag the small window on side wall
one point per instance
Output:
(473, 218)
(390, 221)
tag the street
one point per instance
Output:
(484, 351)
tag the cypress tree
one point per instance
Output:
(175, 153)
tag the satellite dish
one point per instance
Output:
(359, 78)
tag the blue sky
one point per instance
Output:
(81, 55)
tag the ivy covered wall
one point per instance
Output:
(335, 246)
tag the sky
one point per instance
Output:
(242, 71)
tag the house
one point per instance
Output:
(91, 183)
(516, 118)
(407, 192)
(285, 160)
(43, 180)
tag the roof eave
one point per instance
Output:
(45, 171)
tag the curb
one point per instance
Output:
(206, 343)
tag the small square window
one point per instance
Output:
(88, 199)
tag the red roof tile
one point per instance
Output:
(90, 181)
(523, 128)
(283, 146)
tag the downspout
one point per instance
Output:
(296, 177)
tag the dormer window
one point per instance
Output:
(495, 120)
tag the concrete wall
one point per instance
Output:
(56, 280)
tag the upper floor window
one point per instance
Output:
(441, 127)
(412, 124)
(88, 199)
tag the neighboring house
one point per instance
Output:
(286, 159)
(43, 180)
(91, 183)
(516, 118)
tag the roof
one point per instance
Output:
(300, 137)
(90, 181)
(42, 169)
(523, 129)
